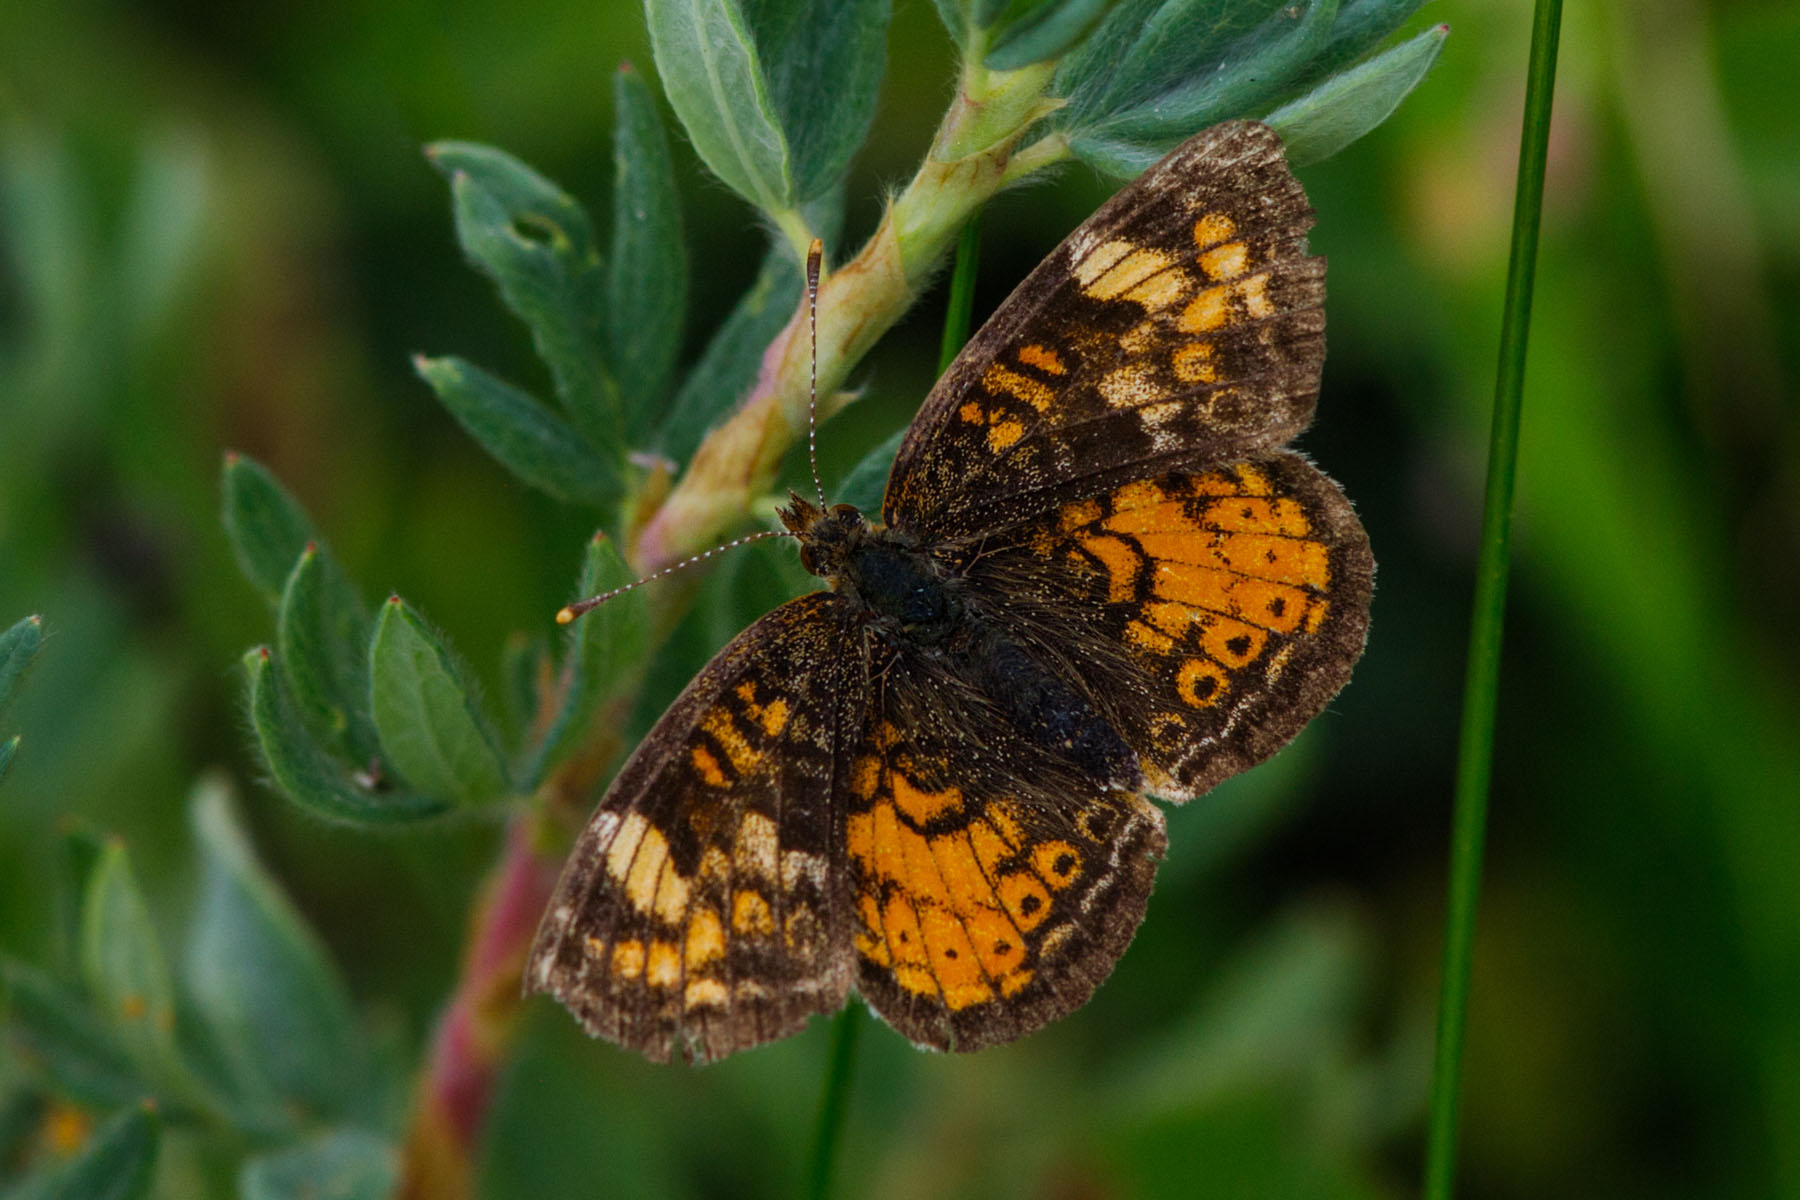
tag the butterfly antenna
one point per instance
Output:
(814, 255)
(570, 612)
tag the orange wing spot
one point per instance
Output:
(1254, 292)
(628, 959)
(953, 959)
(662, 967)
(747, 690)
(1155, 415)
(1078, 514)
(1155, 514)
(1275, 606)
(971, 412)
(708, 766)
(1005, 824)
(1004, 434)
(672, 892)
(773, 716)
(1208, 311)
(1004, 381)
(1232, 642)
(1131, 386)
(1193, 363)
(1227, 261)
(1122, 565)
(1219, 483)
(1026, 899)
(871, 943)
(1043, 358)
(705, 938)
(595, 946)
(919, 805)
(1141, 493)
(988, 846)
(998, 946)
(1213, 228)
(1170, 617)
(1141, 337)
(1146, 638)
(1284, 560)
(744, 757)
(865, 776)
(1200, 683)
(1315, 615)
(1058, 862)
(1257, 514)
(750, 914)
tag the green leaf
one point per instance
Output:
(7, 749)
(123, 966)
(714, 80)
(78, 851)
(1346, 106)
(823, 61)
(266, 526)
(340, 1164)
(1149, 108)
(18, 646)
(646, 288)
(523, 436)
(50, 1026)
(728, 367)
(605, 648)
(258, 976)
(431, 726)
(866, 483)
(532, 240)
(322, 635)
(1360, 26)
(118, 1164)
(305, 771)
(955, 16)
(1045, 32)
(524, 662)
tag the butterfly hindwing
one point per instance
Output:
(994, 887)
(703, 904)
(1181, 325)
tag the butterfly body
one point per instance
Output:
(1098, 576)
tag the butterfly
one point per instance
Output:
(1098, 575)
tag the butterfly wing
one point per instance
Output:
(994, 886)
(702, 905)
(1216, 612)
(1180, 326)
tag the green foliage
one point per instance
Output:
(247, 1039)
(433, 728)
(117, 1164)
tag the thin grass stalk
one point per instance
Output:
(834, 1101)
(1475, 753)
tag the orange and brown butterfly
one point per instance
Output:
(1098, 576)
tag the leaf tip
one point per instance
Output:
(394, 600)
(231, 459)
(625, 67)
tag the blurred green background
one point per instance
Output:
(217, 231)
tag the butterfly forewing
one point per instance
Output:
(1180, 326)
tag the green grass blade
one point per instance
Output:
(1476, 749)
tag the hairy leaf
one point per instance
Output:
(306, 772)
(339, 1164)
(51, 1028)
(432, 727)
(646, 287)
(1044, 32)
(715, 82)
(18, 646)
(523, 435)
(1346, 106)
(257, 974)
(322, 634)
(823, 62)
(266, 526)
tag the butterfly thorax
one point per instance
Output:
(908, 596)
(879, 568)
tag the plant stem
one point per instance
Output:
(1475, 753)
(475, 1034)
(834, 1101)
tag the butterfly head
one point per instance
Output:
(827, 536)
